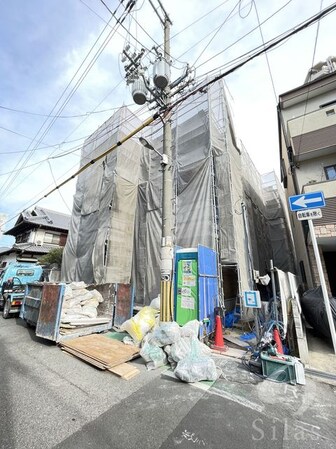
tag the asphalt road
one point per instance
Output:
(49, 399)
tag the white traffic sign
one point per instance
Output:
(310, 200)
(309, 214)
(252, 299)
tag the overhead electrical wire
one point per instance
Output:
(215, 34)
(266, 55)
(60, 193)
(255, 53)
(18, 134)
(69, 95)
(20, 111)
(74, 149)
(5, 188)
(89, 141)
(97, 158)
(307, 95)
(245, 35)
(195, 44)
(202, 88)
(122, 25)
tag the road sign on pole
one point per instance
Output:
(311, 200)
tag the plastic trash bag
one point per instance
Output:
(166, 334)
(190, 329)
(196, 366)
(196, 369)
(140, 324)
(155, 303)
(153, 355)
(184, 347)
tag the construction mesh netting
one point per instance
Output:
(218, 200)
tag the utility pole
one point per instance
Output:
(161, 93)
(166, 310)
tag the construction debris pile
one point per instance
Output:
(80, 306)
(168, 343)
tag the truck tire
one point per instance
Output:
(6, 309)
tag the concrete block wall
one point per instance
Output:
(328, 230)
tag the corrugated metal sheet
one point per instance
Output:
(207, 286)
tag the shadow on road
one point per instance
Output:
(6, 414)
(31, 332)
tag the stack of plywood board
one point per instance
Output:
(104, 353)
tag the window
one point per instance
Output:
(22, 238)
(330, 112)
(25, 272)
(51, 238)
(330, 172)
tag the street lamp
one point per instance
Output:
(146, 144)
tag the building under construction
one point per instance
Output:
(219, 201)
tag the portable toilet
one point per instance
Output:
(196, 287)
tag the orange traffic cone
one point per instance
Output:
(277, 339)
(219, 340)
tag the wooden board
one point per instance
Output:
(104, 350)
(125, 371)
(85, 358)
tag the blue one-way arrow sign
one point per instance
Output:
(310, 200)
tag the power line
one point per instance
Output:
(60, 194)
(215, 34)
(248, 57)
(255, 53)
(204, 37)
(92, 140)
(58, 116)
(131, 2)
(266, 55)
(307, 96)
(5, 188)
(245, 35)
(94, 160)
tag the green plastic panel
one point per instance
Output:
(187, 291)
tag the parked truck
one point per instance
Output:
(13, 280)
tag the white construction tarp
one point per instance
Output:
(115, 233)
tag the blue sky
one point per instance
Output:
(43, 44)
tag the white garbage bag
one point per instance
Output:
(153, 355)
(166, 334)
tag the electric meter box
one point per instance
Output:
(196, 287)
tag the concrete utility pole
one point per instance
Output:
(161, 92)
(166, 311)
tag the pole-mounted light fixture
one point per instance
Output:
(146, 144)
